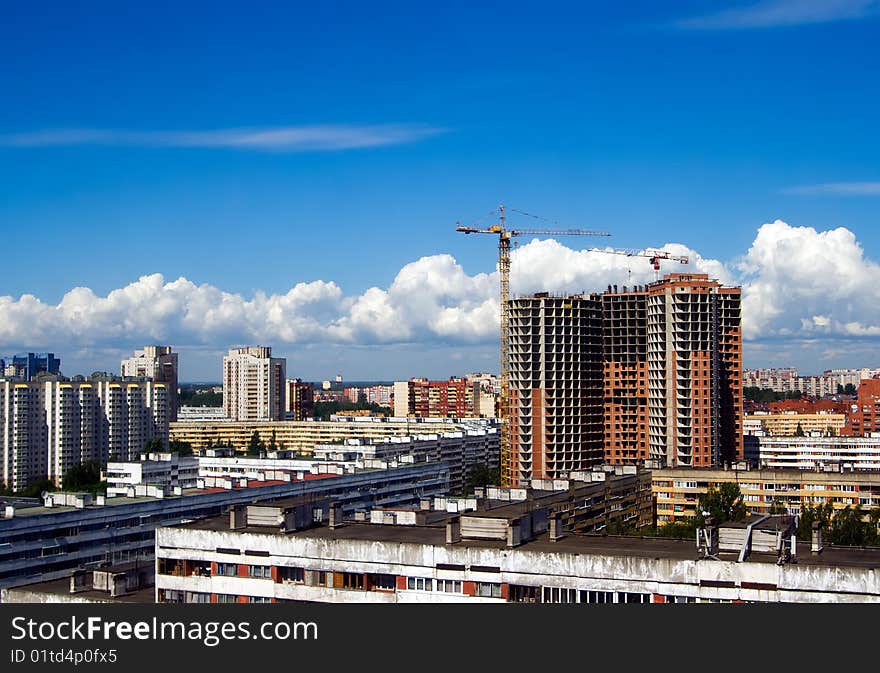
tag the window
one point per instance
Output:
(524, 594)
(353, 581)
(259, 599)
(297, 575)
(488, 589)
(226, 598)
(449, 586)
(419, 583)
(262, 572)
(597, 597)
(557, 595)
(227, 569)
(197, 597)
(383, 582)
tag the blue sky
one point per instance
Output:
(129, 146)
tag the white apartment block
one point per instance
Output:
(167, 470)
(159, 364)
(253, 384)
(47, 427)
(827, 453)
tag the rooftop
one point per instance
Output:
(571, 543)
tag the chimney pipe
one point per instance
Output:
(453, 530)
(335, 516)
(556, 533)
(237, 518)
(816, 545)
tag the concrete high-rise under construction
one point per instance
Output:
(624, 376)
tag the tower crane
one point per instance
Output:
(504, 242)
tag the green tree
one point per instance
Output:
(799, 431)
(684, 529)
(82, 476)
(256, 445)
(723, 504)
(153, 445)
(180, 447)
(848, 528)
(777, 507)
(481, 475)
(273, 445)
(35, 488)
(809, 514)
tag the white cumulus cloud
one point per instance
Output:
(799, 285)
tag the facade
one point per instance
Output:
(158, 363)
(25, 366)
(253, 384)
(789, 424)
(462, 451)
(625, 375)
(555, 395)
(653, 372)
(300, 400)
(865, 410)
(474, 557)
(422, 398)
(677, 490)
(303, 436)
(694, 371)
(40, 543)
(47, 427)
(199, 414)
(823, 453)
(167, 470)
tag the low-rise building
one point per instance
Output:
(677, 490)
(167, 470)
(303, 436)
(822, 453)
(791, 424)
(305, 551)
(47, 540)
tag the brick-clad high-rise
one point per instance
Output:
(555, 397)
(694, 371)
(623, 376)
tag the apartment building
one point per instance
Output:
(158, 363)
(253, 384)
(677, 490)
(865, 410)
(305, 550)
(47, 540)
(167, 470)
(555, 404)
(303, 436)
(625, 374)
(300, 401)
(49, 426)
(790, 424)
(653, 372)
(461, 450)
(423, 398)
(841, 453)
(694, 371)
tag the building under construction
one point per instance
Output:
(623, 376)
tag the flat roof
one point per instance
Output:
(571, 543)
(61, 587)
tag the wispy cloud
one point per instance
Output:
(774, 13)
(836, 189)
(277, 139)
